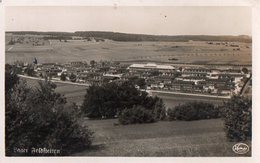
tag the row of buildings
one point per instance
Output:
(192, 79)
(203, 80)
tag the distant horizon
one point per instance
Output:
(132, 33)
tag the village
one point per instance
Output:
(220, 81)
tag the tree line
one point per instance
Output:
(116, 36)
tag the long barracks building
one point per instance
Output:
(151, 66)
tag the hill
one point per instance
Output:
(116, 36)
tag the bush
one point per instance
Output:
(193, 111)
(238, 118)
(38, 118)
(137, 114)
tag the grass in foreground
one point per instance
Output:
(176, 138)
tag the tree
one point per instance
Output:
(155, 73)
(92, 63)
(159, 109)
(11, 42)
(238, 118)
(11, 78)
(73, 77)
(111, 99)
(101, 101)
(29, 70)
(37, 117)
(138, 81)
(35, 61)
(62, 77)
(244, 70)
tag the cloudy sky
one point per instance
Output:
(145, 20)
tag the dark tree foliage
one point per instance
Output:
(111, 99)
(11, 77)
(63, 77)
(137, 114)
(238, 118)
(138, 81)
(159, 109)
(155, 73)
(12, 42)
(244, 70)
(39, 117)
(29, 70)
(73, 77)
(93, 63)
(193, 111)
(116, 36)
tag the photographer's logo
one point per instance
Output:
(240, 148)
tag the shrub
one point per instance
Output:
(137, 114)
(193, 111)
(238, 118)
(38, 118)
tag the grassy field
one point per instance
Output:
(173, 100)
(73, 93)
(183, 52)
(175, 138)
(165, 138)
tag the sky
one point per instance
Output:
(143, 20)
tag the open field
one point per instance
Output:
(197, 52)
(174, 100)
(176, 138)
(73, 93)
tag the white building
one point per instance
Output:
(150, 66)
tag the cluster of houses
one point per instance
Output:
(189, 79)
(192, 79)
(81, 72)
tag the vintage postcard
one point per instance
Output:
(138, 80)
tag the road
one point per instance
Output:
(10, 48)
(189, 94)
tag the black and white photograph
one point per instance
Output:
(128, 81)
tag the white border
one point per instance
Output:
(256, 78)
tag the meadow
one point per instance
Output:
(196, 52)
(73, 93)
(164, 138)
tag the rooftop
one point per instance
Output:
(151, 65)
